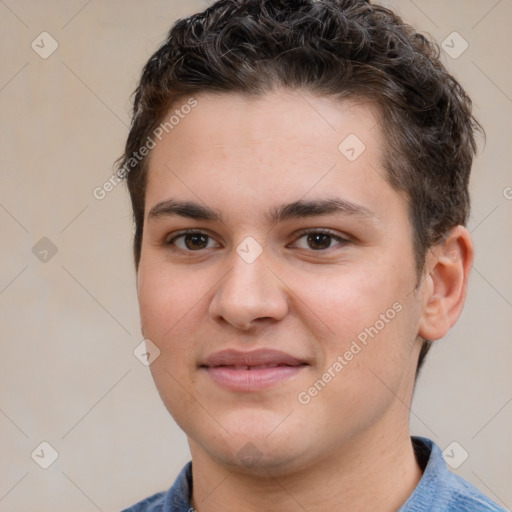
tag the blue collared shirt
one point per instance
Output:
(439, 490)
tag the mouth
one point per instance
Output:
(251, 371)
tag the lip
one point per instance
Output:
(251, 371)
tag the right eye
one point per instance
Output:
(192, 241)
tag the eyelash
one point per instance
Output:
(342, 241)
(336, 237)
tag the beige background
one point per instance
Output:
(69, 325)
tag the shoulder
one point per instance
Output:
(460, 495)
(440, 490)
(154, 503)
(176, 499)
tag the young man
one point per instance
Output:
(299, 180)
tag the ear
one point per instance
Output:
(444, 288)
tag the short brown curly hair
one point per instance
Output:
(340, 48)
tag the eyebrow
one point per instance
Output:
(187, 209)
(301, 208)
(296, 209)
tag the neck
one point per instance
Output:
(375, 471)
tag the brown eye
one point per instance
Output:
(193, 241)
(196, 241)
(318, 241)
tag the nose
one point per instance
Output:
(249, 294)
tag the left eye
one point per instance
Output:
(319, 241)
(193, 241)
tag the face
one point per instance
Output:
(277, 279)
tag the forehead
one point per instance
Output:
(281, 146)
(274, 122)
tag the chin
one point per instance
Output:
(261, 458)
(259, 444)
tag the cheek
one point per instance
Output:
(176, 389)
(168, 302)
(166, 298)
(348, 301)
(172, 307)
(368, 314)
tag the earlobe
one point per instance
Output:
(444, 289)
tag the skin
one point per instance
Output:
(349, 447)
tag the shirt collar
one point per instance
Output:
(428, 455)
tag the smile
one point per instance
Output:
(251, 371)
